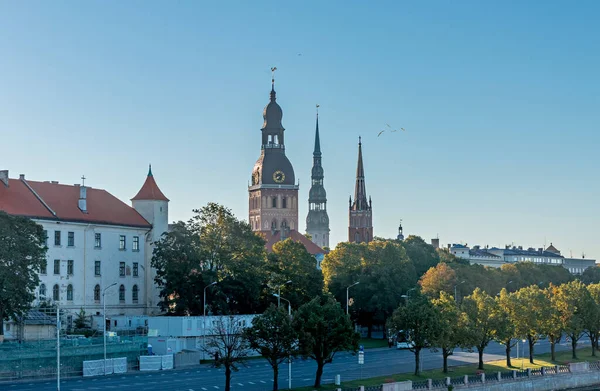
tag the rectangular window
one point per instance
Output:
(97, 268)
(135, 269)
(284, 202)
(97, 240)
(274, 202)
(136, 243)
(71, 239)
(122, 242)
(46, 237)
(44, 267)
(122, 269)
(57, 266)
(57, 238)
(70, 267)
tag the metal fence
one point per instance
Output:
(37, 359)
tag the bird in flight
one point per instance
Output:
(390, 129)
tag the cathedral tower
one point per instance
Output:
(360, 227)
(317, 221)
(273, 192)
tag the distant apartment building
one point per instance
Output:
(94, 240)
(496, 257)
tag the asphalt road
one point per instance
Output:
(258, 375)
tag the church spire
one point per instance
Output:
(317, 151)
(360, 191)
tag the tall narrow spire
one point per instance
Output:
(317, 151)
(273, 94)
(360, 191)
(150, 170)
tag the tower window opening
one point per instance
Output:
(274, 202)
(284, 202)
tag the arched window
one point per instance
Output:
(97, 293)
(55, 293)
(357, 237)
(122, 293)
(284, 224)
(274, 202)
(43, 290)
(284, 202)
(274, 224)
(134, 293)
(70, 292)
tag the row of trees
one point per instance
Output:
(435, 320)
(317, 330)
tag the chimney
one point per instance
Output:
(83, 198)
(4, 177)
(540, 250)
(22, 177)
(520, 247)
(435, 243)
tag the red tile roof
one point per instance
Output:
(296, 236)
(150, 190)
(63, 200)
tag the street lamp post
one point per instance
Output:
(290, 357)
(455, 295)
(104, 317)
(279, 292)
(57, 346)
(348, 295)
(204, 319)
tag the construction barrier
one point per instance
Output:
(150, 363)
(167, 361)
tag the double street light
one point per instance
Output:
(279, 298)
(348, 295)
(104, 317)
(204, 317)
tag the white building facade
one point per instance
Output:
(95, 242)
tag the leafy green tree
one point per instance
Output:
(290, 261)
(420, 322)
(422, 255)
(22, 253)
(80, 320)
(452, 329)
(212, 246)
(506, 332)
(323, 330)
(438, 279)
(227, 343)
(592, 315)
(572, 299)
(383, 270)
(591, 275)
(273, 335)
(531, 306)
(482, 321)
(552, 323)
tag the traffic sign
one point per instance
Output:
(361, 357)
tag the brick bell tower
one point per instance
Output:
(273, 192)
(360, 226)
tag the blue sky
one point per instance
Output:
(500, 101)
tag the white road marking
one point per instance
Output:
(240, 384)
(217, 387)
(251, 383)
(263, 382)
(204, 388)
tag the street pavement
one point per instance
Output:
(258, 374)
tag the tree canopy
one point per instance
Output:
(22, 253)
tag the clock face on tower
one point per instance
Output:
(279, 176)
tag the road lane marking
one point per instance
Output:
(205, 389)
(240, 384)
(251, 383)
(217, 387)
(263, 382)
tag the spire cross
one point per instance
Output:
(83, 178)
(273, 69)
(317, 109)
(359, 140)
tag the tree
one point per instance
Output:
(438, 279)
(290, 261)
(383, 270)
(227, 343)
(273, 335)
(571, 300)
(592, 315)
(22, 253)
(212, 246)
(506, 332)
(482, 321)
(591, 275)
(419, 321)
(531, 309)
(452, 326)
(422, 255)
(80, 320)
(552, 324)
(323, 330)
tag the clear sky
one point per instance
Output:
(500, 101)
